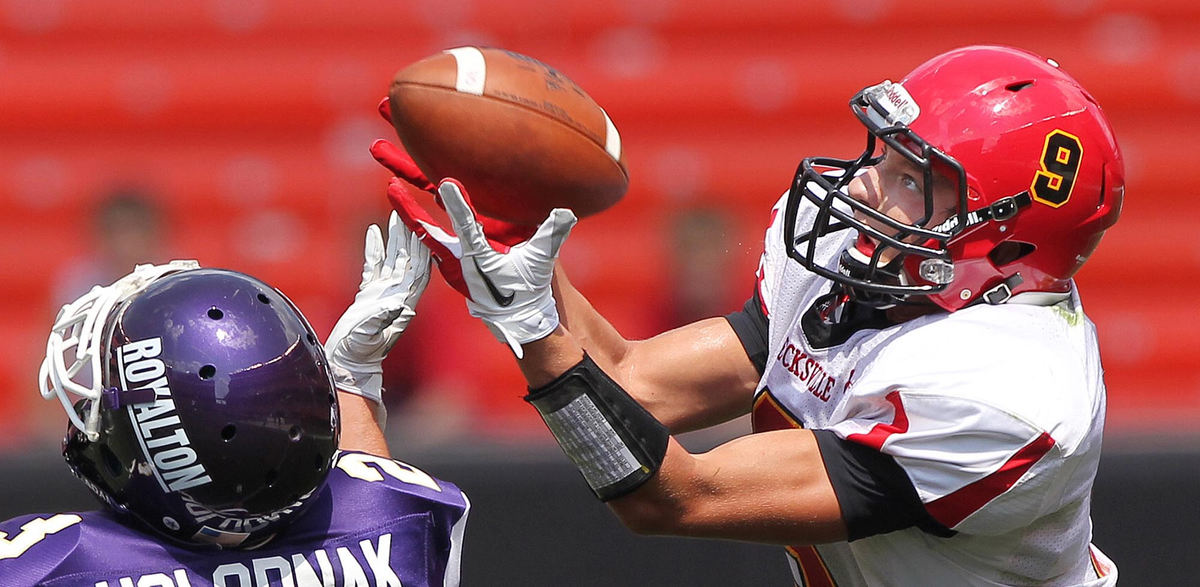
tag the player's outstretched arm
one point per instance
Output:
(770, 487)
(625, 454)
(394, 276)
(692, 377)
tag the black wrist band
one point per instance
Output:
(614, 442)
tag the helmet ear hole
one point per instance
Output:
(1009, 251)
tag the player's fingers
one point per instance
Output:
(418, 253)
(395, 250)
(372, 255)
(405, 204)
(399, 163)
(443, 247)
(385, 109)
(441, 243)
(553, 231)
(454, 197)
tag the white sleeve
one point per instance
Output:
(773, 258)
(978, 469)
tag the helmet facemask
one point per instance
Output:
(886, 110)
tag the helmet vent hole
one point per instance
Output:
(271, 477)
(208, 371)
(311, 339)
(264, 299)
(295, 433)
(215, 313)
(1018, 86)
(228, 432)
(1009, 251)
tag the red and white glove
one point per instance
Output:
(500, 233)
(508, 287)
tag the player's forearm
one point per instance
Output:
(549, 357)
(689, 378)
(362, 422)
(766, 490)
(591, 330)
(628, 458)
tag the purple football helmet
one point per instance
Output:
(210, 415)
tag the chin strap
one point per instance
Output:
(999, 293)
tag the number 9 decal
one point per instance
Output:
(1061, 156)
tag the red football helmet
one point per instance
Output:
(1039, 175)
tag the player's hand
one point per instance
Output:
(509, 289)
(393, 278)
(501, 234)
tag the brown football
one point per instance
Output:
(520, 136)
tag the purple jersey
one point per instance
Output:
(375, 522)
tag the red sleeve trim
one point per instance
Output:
(761, 272)
(758, 284)
(1102, 569)
(880, 432)
(952, 509)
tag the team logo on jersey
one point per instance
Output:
(808, 370)
(159, 431)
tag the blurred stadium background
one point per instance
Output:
(235, 132)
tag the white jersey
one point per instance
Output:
(994, 413)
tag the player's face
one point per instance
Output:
(896, 188)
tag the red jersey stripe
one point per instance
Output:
(955, 507)
(812, 566)
(880, 432)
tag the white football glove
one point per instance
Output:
(394, 276)
(510, 291)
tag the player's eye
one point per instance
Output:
(910, 183)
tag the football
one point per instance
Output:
(520, 136)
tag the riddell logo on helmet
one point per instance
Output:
(237, 521)
(159, 431)
(897, 96)
(896, 103)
